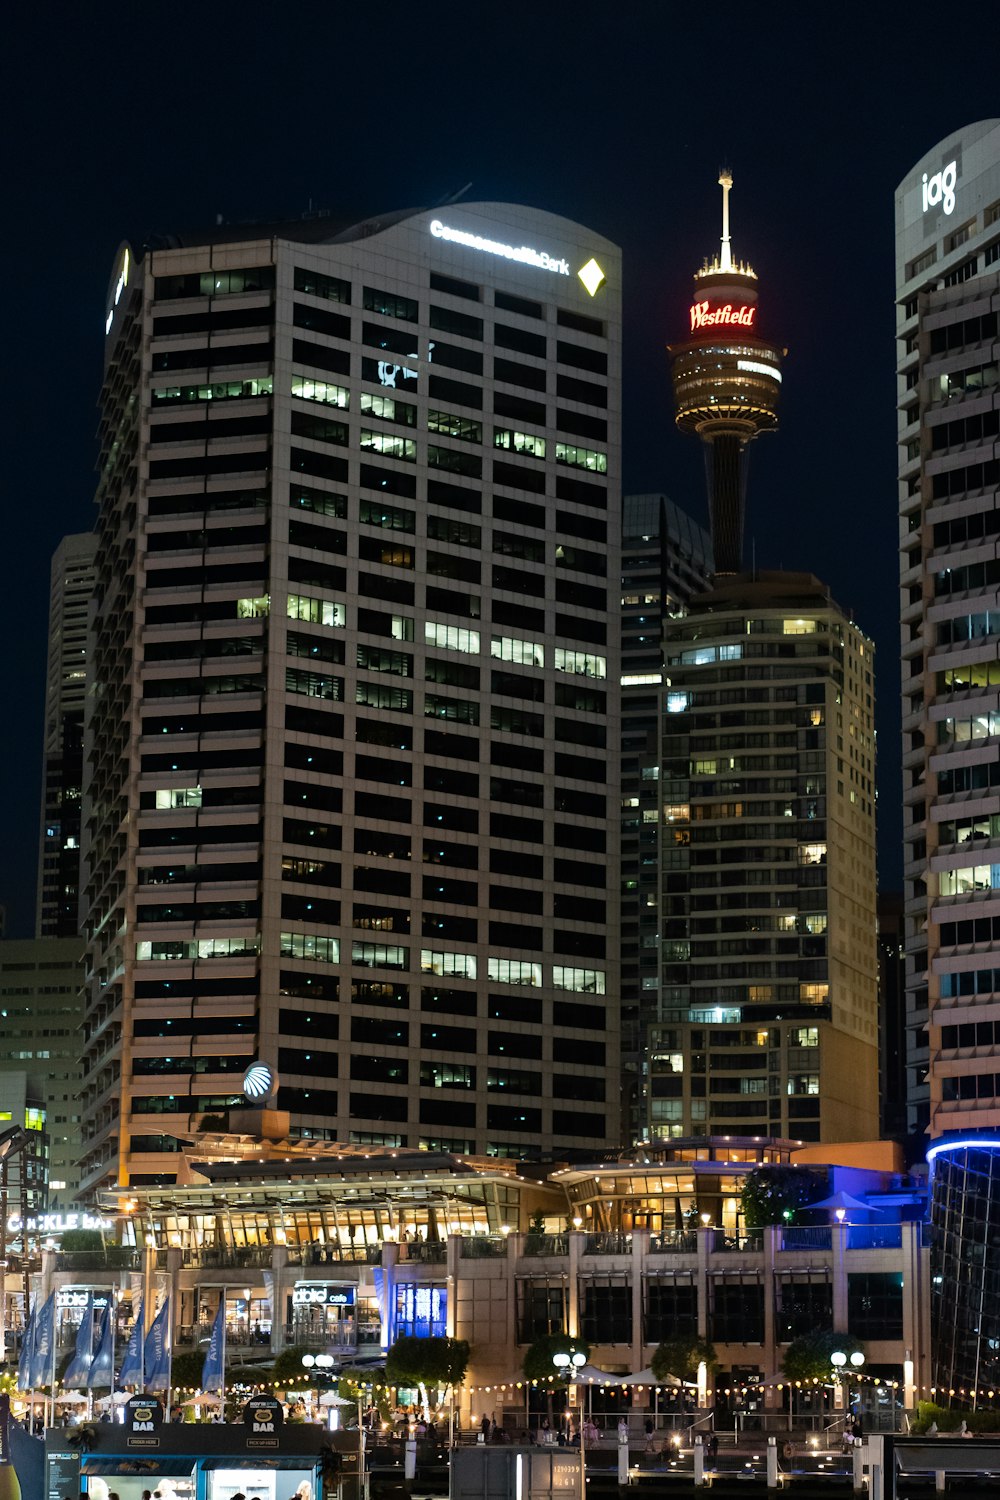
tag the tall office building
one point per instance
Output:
(353, 739)
(768, 956)
(947, 328)
(70, 589)
(666, 557)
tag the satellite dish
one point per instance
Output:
(259, 1081)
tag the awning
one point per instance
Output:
(260, 1461)
(169, 1468)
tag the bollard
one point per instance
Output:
(772, 1463)
(699, 1463)
(859, 1453)
(410, 1459)
(623, 1456)
(877, 1487)
(940, 1480)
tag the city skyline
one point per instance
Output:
(94, 165)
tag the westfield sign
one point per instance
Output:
(702, 316)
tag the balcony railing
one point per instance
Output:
(545, 1244)
(334, 1254)
(429, 1252)
(806, 1237)
(607, 1244)
(747, 1242)
(113, 1258)
(674, 1242)
(229, 1257)
(483, 1246)
(874, 1236)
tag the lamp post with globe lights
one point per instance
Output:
(570, 1365)
(840, 1361)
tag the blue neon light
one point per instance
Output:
(980, 1143)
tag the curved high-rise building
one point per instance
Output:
(947, 330)
(727, 381)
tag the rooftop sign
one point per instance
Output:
(729, 316)
(523, 253)
(940, 188)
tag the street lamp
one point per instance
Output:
(571, 1365)
(839, 1360)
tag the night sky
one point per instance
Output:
(122, 121)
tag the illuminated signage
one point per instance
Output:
(323, 1296)
(702, 316)
(757, 367)
(120, 286)
(940, 188)
(58, 1223)
(258, 1081)
(523, 253)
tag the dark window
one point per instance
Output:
(435, 1037)
(571, 389)
(454, 287)
(470, 465)
(520, 340)
(572, 872)
(516, 935)
(513, 1117)
(520, 408)
(670, 1310)
(382, 732)
(443, 888)
(388, 481)
(367, 1069)
(449, 321)
(875, 1304)
(384, 882)
(463, 856)
(517, 757)
(449, 1002)
(446, 925)
(455, 358)
(377, 841)
(451, 602)
(380, 1031)
(315, 284)
(521, 616)
(518, 580)
(458, 497)
(452, 746)
(605, 1313)
(589, 526)
(582, 491)
(319, 320)
(579, 322)
(513, 1043)
(459, 819)
(321, 357)
(508, 303)
(461, 533)
(520, 512)
(377, 1106)
(375, 586)
(390, 305)
(388, 517)
(322, 465)
(736, 1315)
(801, 1307)
(583, 359)
(375, 768)
(392, 340)
(456, 392)
(509, 862)
(582, 424)
(513, 372)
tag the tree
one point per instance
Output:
(538, 1357)
(808, 1356)
(288, 1369)
(682, 1356)
(773, 1194)
(187, 1369)
(421, 1362)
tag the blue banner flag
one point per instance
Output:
(131, 1370)
(26, 1358)
(78, 1368)
(102, 1364)
(213, 1375)
(45, 1344)
(156, 1356)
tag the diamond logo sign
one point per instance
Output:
(592, 276)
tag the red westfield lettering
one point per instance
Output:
(703, 317)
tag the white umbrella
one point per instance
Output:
(646, 1377)
(330, 1398)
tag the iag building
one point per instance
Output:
(948, 351)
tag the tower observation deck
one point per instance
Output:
(727, 382)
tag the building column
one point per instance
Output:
(640, 1249)
(575, 1239)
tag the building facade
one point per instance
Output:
(769, 971)
(352, 802)
(947, 330)
(666, 558)
(41, 1021)
(70, 590)
(342, 1253)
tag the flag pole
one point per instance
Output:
(222, 1382)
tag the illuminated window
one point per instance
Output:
(587, 981)
(253, 609)
(678, 702)
(308, 945)
(677, 812)
(450, 637)
(510, 648)
(805, 1036)
(179, 796)
(308, 389)
(814, 994)
(513, 971)
(377, 955)
(812, 854)
(758, 993)
(799, 627)
(316, 611)
(519, 442)
(803, 1083)
(388, 444)
(815, 921)
(34, 1119)
(438, 962)
(389, 409)
(582, 458)
(584, 663)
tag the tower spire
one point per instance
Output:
(726, 255)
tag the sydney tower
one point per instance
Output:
(726, 382)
